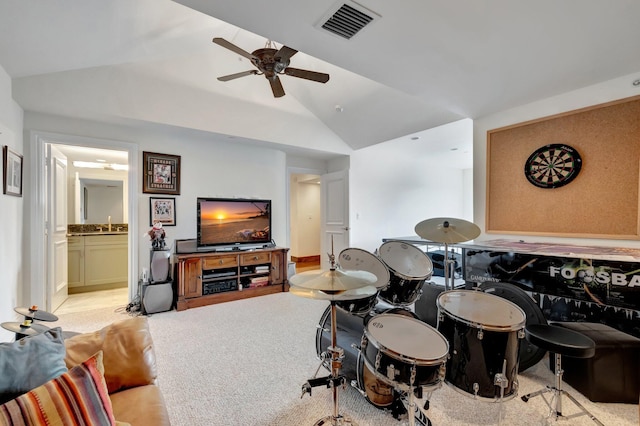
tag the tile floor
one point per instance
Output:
(82, 302)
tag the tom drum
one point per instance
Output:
(409, 267)
(355, 259)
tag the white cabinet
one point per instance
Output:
(76, 261)
(98, 261)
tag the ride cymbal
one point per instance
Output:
(358, 293)
(333, 280)
(447, 230)
(36, 314)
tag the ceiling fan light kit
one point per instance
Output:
(271, 63)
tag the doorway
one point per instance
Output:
(96, 200)
(304, 220)
(39, 275)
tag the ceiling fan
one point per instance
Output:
(270, 62)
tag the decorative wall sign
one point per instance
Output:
(12, 176)
(553, 166)
(161, 173)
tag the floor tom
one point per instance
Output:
(484, 333)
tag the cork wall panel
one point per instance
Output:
(602, 201)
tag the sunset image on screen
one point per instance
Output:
(233, 221)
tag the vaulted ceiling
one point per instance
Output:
(419, 64)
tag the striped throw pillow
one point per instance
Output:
(78, 397)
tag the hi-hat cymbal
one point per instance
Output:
(36, 314)
(333, 280)
(357, 293)
(447, 230)
(27, 330)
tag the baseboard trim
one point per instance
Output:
(303, 259)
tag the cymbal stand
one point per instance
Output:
(448, 266)
(332, 381)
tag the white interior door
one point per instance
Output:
(335, 214)
(56, 228)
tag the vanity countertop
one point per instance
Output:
(84, 234)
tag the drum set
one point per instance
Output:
(394, 358)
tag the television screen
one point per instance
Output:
(233, 222)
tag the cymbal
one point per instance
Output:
(36, 314)
(27, 330)
(447, 230)
(358, 293)
(333, 280)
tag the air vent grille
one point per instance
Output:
(347, 20)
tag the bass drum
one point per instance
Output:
(530, 354)
(348, 332)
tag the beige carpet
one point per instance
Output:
(244, 362)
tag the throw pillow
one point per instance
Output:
(29, 362)
(78, 397)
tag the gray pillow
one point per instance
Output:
(30, 362)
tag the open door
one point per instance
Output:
(335, 215)
(56, 228)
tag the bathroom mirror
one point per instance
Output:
(100, 199)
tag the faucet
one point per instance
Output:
(109, 220)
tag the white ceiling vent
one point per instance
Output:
(346, 18)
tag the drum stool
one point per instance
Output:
(613, 373)
(561, 341)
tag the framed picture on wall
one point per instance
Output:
(162, 210)
(12, 172)
(161, 173)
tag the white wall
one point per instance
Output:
(600, 93)
(394, 186)
(209, 167)
(11, 213)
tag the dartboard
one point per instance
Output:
(552, 166)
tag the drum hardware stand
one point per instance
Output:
(334, 380)
(500, 379)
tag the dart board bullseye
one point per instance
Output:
(552, 166)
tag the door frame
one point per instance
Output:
(296, 171)
(37, 291)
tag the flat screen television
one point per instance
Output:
(233, 222)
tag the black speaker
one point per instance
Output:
(157, 297)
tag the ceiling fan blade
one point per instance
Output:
(276, 86)
(237, 75)
(308, 75)
(284, 54)
(224, 43)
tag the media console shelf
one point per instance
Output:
(215, 277)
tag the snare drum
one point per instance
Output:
(355, 259)
(409, 267)
(484, 333)
(404, 352)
